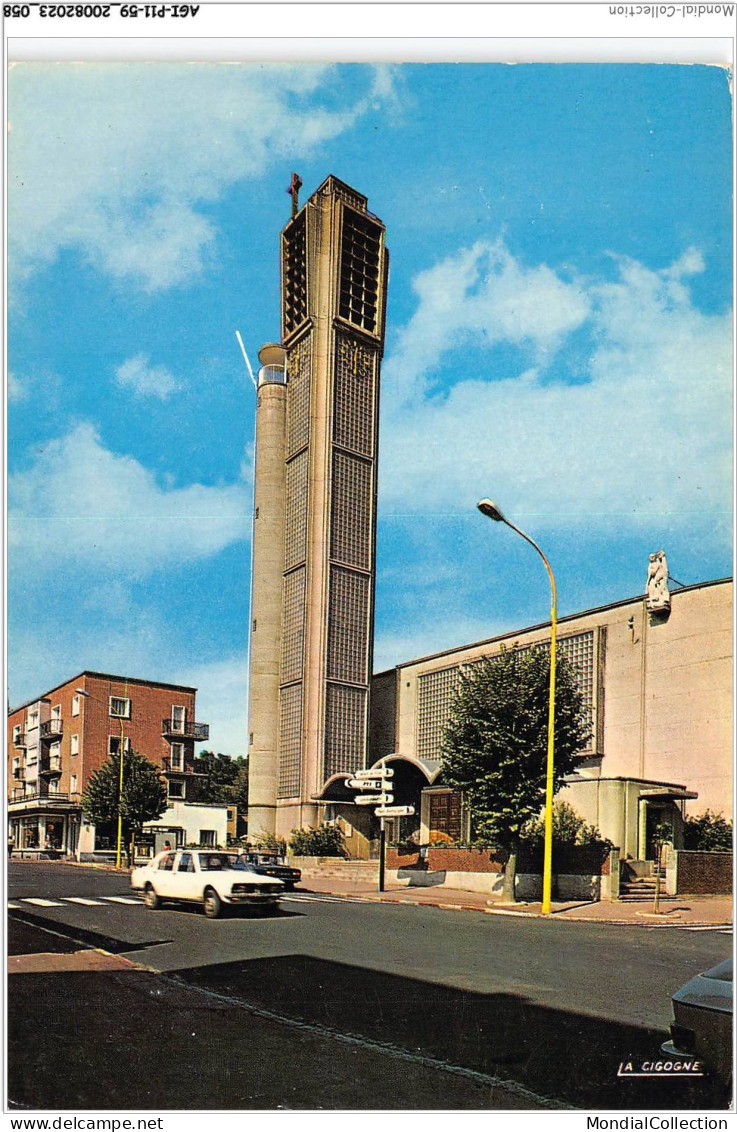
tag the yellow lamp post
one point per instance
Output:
(486, 507)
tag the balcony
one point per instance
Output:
(176, 729)
(19, 740)
(175, 766)
(50, 764)
(35, 800)
(51, 729)
(18, 772)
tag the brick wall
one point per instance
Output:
(703, 873)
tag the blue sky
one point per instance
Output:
(559, 339)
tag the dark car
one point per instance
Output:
(702, 1021)
(272, 865)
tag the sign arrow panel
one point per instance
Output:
(394, 811)
(374, 800)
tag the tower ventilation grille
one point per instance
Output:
(294, 281)
(359, 271)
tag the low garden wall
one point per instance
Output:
(698, 873)
(581, 873)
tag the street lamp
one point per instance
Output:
(486, 507)
(88, 696)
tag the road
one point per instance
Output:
(551, 1007)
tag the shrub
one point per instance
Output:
(269, 842)
(569, 828)
(709, 833)
(325, 841)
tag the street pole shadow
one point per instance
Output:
(559, 1054)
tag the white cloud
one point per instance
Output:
(145, 380)
(648, 432)
(136, 150)
(17, 391)
(222, 695)
(482, 295)
(98, 509)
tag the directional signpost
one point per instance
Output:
(379, 780)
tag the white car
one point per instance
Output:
(205, 877)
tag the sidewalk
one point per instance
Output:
(694, 911)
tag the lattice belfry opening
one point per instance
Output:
(294, 274)
(290, 742)
(359, 271)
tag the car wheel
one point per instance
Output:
(212, 904)
(150, 898)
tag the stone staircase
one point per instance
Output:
(638, 885)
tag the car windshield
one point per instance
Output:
(217, 862)
(722, 972)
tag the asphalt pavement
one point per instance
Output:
(304, 993)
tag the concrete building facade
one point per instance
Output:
(314, 511)
(57, 741)
(658, 686)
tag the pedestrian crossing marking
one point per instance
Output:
(83, 900)
(41, 903)
(123, 899)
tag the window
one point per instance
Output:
(167, 862)
(56, 713)
(73, 784)
(16, 734)
(74, 745)
(208, 838)
(186, 864)
(176, 790)
(33, 717)
(113, 744)
(120, 708)
(177, 756)
(178, 717)
(75, 705)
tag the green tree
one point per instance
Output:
(143, 797)
(239, 787)
(495, 744)
(709, 832)
(221, 771)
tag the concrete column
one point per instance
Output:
(266, 594)
(318, 514)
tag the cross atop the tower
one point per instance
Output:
(294, 186)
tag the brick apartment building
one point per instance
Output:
(57, 741)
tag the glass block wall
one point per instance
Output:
(435, 690)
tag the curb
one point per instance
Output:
(645, 919)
